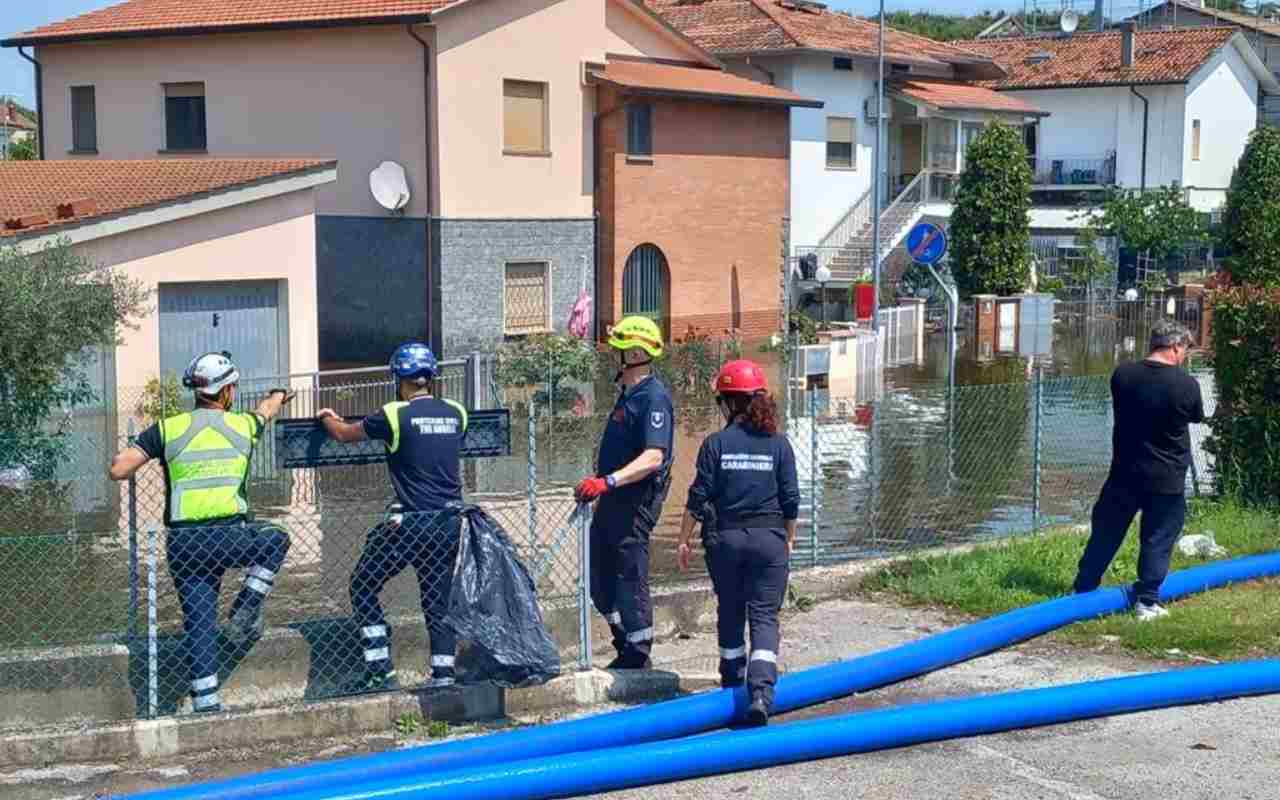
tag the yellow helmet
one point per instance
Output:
(637, 331)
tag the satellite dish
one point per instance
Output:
(1069, 21)
(389, 186)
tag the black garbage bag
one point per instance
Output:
(493, 606)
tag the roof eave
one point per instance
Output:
(720, 97)
(1091, 85)
(319, 174)
(1266, 79)
(207, 30)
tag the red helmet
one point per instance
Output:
(741, 376)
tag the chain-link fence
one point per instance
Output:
(106, 605)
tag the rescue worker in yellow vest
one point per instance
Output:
(206, 454)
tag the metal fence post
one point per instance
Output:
(584, 591)
(152, 677)
(133, 550)
(814, 467)
(533, 475)
(1037, 439)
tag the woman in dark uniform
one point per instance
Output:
(747, 475)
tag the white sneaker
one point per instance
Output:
(1148, 612)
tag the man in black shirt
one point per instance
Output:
(423, 436)
(1154, 402)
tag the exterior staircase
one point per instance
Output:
(848, 248)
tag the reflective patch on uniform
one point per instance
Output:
(257, 585)
(613, 618)
(442, 661)
(730, 653)
(642, 635)
(746, 461)
(373, 631)
(657, 418)
(764, 655)
(263, 573)
(204, 684)
(378, 654)
(204, 701)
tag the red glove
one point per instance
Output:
(590, 489)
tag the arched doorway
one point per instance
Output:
(646, 284)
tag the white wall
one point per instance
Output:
(820, 196)
(1089, 123)
(354, 94)
(1222, 96)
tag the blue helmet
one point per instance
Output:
(414, 360)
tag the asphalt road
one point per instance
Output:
(1226, 750)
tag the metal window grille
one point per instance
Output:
(526, 303)
(644, 282)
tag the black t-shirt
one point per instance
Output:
(1151, 443)
(744, 475)
(151, 442)
(641, 420)
(424, 439)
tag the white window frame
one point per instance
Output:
(546, 300)
(545, 152)
(853, 143)
(1197, 131)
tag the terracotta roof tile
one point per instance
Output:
(11, 117)
(693, 81)
(165, 16)
(955, 96)
(738, 26)
(1093, 59)
(32, 189)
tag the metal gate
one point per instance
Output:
(241, 317)
(644, 283)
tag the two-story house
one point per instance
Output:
(14, 127)
(549, 145)
(1136, 109)
(935, 105)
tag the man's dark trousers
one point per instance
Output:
(1163, 516)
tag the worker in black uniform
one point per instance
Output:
(747, 475)
(423, 436)
(633, 474)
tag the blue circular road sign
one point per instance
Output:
(926, 243)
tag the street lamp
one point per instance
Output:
(823, 275)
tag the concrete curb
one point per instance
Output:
(144, 740)
(678, 608)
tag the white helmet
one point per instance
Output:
(210, 373)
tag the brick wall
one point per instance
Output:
(712, 198)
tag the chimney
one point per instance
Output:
(1127, 33)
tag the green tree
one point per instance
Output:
(1251, 224)
(23, 150)
(550, 359)
(55, 307)
(990, 236)
(1157, 222)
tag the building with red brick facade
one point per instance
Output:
(692, 188)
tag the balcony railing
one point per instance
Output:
(1092, 171)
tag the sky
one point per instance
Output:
(17, 78)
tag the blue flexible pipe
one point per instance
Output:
(663, 762)
(707, 711)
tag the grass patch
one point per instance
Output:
(1239, 621)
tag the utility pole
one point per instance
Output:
(876, 185)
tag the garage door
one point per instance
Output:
(241, 317)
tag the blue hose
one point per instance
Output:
(701, 712)
(662, 762)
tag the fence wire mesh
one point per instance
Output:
(99, 594)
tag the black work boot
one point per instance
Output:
(758, 712)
